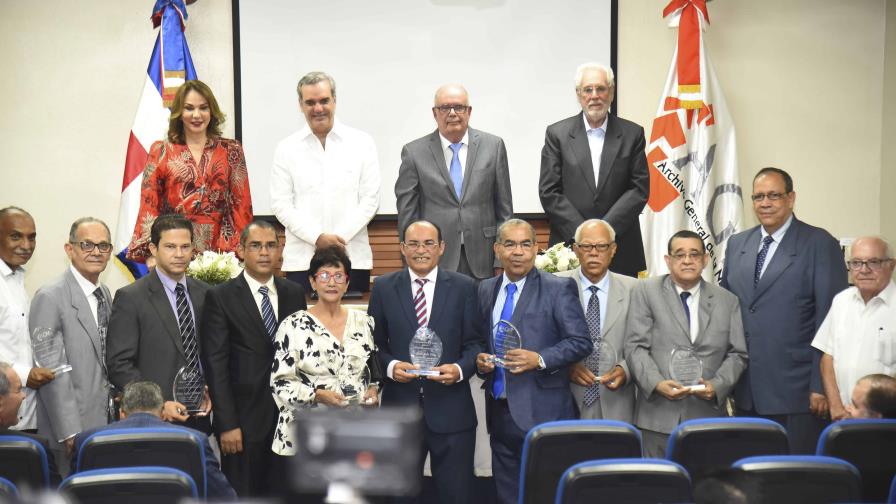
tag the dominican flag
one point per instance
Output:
(169, 66)
(692, 155)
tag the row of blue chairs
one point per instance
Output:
(131, 485)
(701, 447)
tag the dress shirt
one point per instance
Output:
(596, 138)
(272, 293)
(861, 337)
(502, 295)
(777, 236)
(15, 340)
(170, 284)
(603, 292)
(461, 154)
(88, 288)
(333, 190)
(693, 306)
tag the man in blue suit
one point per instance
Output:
(785, 273)
(534, 386)
(141, 406)
(423, 295)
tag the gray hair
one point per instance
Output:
(514, 223)
(259, 223)
(311, 78)
(73, 231)
(4, 381)
(888, 250)
(591, 65)
(593, 222)
(142, 396)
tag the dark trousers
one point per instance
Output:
(803, 429)
(252, 473)
(358, 280)
(507, 449)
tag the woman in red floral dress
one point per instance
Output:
(195, 173)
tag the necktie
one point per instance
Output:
(267, 312)
(455, 171)
(187, 328)
(102, 321)
(420, 303)
(687, 311)
(506, 314)
(760, 259)
(592, 316)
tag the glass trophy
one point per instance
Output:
(49, 350)
(505, 337)
(606, 358)
(354, 387)
(425, 350)
(189, 388)
(686, 368)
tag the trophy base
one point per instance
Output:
(65, 368)
(498, 362)
(423, 372)
(696, 388)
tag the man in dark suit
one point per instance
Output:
(238, 327)
(11, 396)
(534, 387)
(785, 273)
(152, 332)
(141, 406)
(424, 295)
(593, 166)
(457, 178)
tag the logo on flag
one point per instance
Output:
(692, 155)
(169, 66)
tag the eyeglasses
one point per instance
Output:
(88, 246)
(599, 247)
(257, 246)
(772, 196)
(589, 90)
(446, 109)
(512, 245)
(691, 256)
(873, 264)
(414, 245)
(325, 276)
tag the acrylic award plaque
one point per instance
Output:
(425, 350)
(189, 388)
(686, 368)
(48, 350)
(505, 337)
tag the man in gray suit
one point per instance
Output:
(457, 178)
(786, 274)
(76, 308)
(605, 299)
(682, 311)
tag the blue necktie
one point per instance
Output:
(267, 312)
(760, 259)
(687, 311)
(456, 172)
(506, 314)
(592, 317)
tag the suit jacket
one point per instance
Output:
(144, 340)
(52, 468)
(217, 483)
(424, 190)
(455, 319)
(782, 314)
(570, 195)
(78, 399)
(614, 404)
(551, 322)
(657, 325)
(237, 354)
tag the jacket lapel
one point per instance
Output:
(442, 287)
(472, 152)
(675, 308)
(85, 315)
(435, 146)
(612, 143)
(615, 298)
(705, 309)
(582, 152)
(159, 301)
(246, 300)
(404, 295)
(783, 258)
(530, 291)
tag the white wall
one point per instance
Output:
(811, 85)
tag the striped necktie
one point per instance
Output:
(187, 327)
(267, 311)
(420, 302)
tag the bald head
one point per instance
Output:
(871, 263)
(18, 236)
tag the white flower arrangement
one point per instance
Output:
(557, 258)
(214, 267)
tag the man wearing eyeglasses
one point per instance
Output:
(593, 166)
(858, 336)
(75, 308)
(682, 312)
(533, 388)
(602, 393)
(457, 178)
(237, 349)
(785, 273)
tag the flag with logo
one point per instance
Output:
(691, 156)
(169, 66)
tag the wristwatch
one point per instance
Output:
(541, 364)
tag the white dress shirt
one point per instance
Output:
(316, 191)
(693, 306)
(254, 285)
(461, 154)
(88, 289)
(861, 337)
(596, 138)
(777, 236)
(603, 292)
(15, 340)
